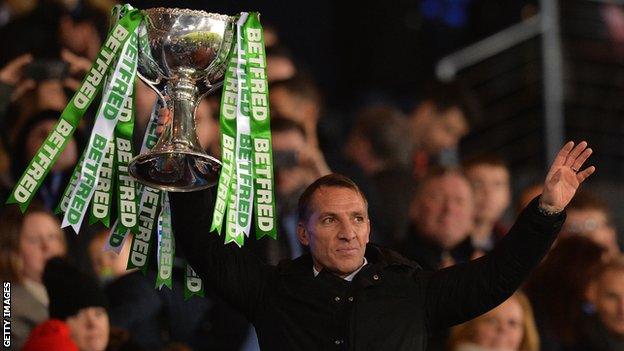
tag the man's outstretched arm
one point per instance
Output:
(462, 292)
(236, 274)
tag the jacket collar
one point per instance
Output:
(378, 257)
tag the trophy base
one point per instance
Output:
(175, 171)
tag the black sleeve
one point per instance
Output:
(235, 273)
(462, 292)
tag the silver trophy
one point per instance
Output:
(182, 56)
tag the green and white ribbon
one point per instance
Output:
(115, 103)
(244, 173)
(148, 206)
(103, 196)
(227, 120)
(57, 140)
(264, 197)
(126, 189)
(166, 246)
(246, 178)
(141, 243)
(118, 233)
(193, 285)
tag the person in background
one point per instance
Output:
(77, 300)
(280, 64)
(379, 144)
(604, 330)
(27, 242)
(297, 164)
(489, 178)
(442, 215)
(107, 264)
(29, 139)
(589, 216)
(438, 121)
(558, 289)
(52, 335)
(508, 327)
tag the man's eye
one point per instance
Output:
(328, 220)
(359, 219)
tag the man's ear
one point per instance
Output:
(302, 234)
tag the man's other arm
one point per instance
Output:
(235, 273)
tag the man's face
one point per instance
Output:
(445, 130)
(609, 301)
(492, 195)
(336, 230)
(593, 224)
(443, 210)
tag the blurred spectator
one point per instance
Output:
(604, 331)
(107, 264)
(13, 83)
(155, 317)
(489, 177)
(77, 300)
(79, 26)
(438, 122)
(298, 99)
(279, 63)
(442, 215)
(29, 139)
(27, 242)
(558, 289)
(508, 327)
(589, 216)
(15, 8)
(297, 164)
(52, 335)
(379, 144)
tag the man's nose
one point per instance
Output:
(346, 231)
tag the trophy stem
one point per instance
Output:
(185, 101)
(177, 162)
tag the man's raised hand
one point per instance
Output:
(565, 176)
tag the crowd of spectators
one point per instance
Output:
(424, 201)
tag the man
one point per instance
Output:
(605, 330)
(379, 145)
(589, 216)
(438, 121)
(352, 296)
(489, 178)
(442, 215)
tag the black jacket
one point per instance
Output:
(391, 304)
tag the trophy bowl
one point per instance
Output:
(183, 56)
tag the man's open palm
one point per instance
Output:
(565, 176)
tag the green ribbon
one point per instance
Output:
(193, 285)
(57, 140)
(116, 105)
(103, 196)
(166, 246)
(126, 189)
(246, 178)
(62, 205)
(264, 197)
(227, 120)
